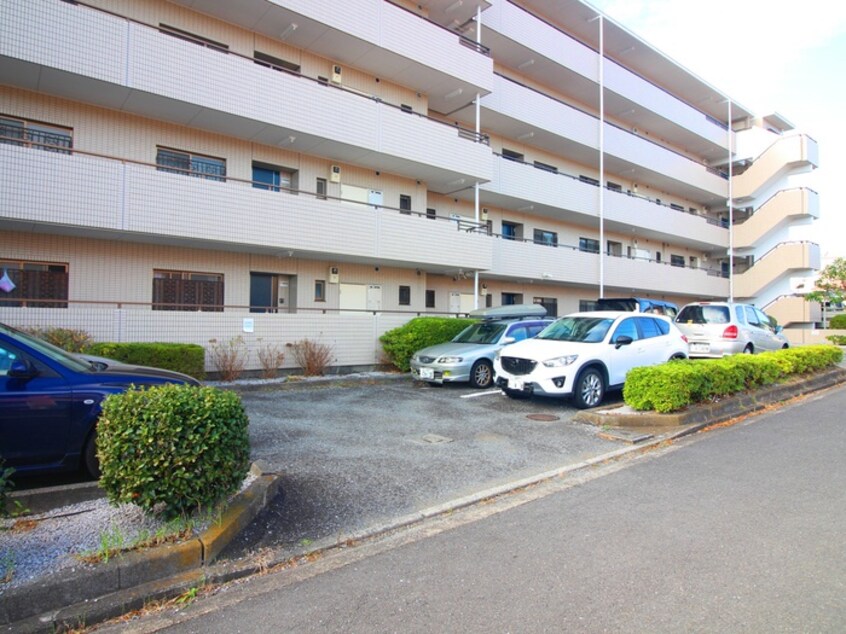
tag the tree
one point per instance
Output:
(831, 284)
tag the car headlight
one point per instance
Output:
(448, 360)
(560, 362)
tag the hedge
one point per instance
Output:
(838, 322)
(421, 332)
(677, 384)
(187, 358)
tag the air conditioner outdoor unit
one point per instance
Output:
(336, 74)
(335, 174)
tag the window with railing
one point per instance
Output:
(189, 164)
(589, 245)
(549, 238)
(186, 290)
(26, 133)
(34, 284)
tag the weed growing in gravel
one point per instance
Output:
(7, 566)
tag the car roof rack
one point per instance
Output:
(512, 311)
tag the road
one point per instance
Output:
(737, 529)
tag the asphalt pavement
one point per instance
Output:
(736, 530)
(359, 453)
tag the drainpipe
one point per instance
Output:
(602, 248)
(730, 209)
(476, 216)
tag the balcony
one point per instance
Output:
(778, 262)
(517, 185)
(98, 197)
(513, 110)
(558, 59)
(225, 93)
(514, 259)
(786, 205)
(788, 153)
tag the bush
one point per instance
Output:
(421, 332)
(837, 340)
(838, 322)
(65, 338)
(6, 486)
(229, 358)
(675, 385)
(172, 449)
(187, 358)
(312, 357)
(271, 358)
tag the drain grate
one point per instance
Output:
(544, 418)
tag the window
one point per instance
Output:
(405, 107)
(549, 238)
(405, 203)
(274, 178)
(615, 248)
(511, 155)
(588, 180)
(33, 134)
(545, 167)
(649, 328)
(185, 290)
(405, 296)
(676, 207)
(614, 187)
(190, 164)
(36, 283)
(677, 260)
(627, 328)
(658, 257)
(263, 59)
(512, 230)
(320, 290)
(589, 245)
(509, 299)
(430, 298)
(587, 305)
(431, 214)
(550, 303)
(320, 188)
(193, 38)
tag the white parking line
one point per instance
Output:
(475, 394)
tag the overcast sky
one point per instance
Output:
(796, 52)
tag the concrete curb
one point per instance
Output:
(86, 585)
(96, 595)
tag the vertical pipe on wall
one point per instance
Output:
(730, 207)
(601, 156)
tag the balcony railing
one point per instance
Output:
(462, 39)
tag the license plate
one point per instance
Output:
(515, 384)
(427, 373)
(700, 347)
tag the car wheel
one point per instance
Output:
(748, 349)
(590, 389)
(89, 457)
(481, 375)
(785, 347)
(677, 357)
(515, 394)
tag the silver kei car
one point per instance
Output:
(469, 356)
(715, 329)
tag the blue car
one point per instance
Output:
(50, 400)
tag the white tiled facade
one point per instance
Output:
(424, 158)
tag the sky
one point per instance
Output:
(797, 54)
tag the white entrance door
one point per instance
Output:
(374, 297)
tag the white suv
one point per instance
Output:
(584, 354)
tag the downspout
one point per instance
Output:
(730, 208)
(476, 215)
(601, 156)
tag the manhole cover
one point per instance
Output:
(434, 439)
(544, 418)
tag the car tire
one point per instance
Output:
(89, 457)
(517, 395)
(785, 347)
(748, 349)
(590, 389)
(481, 374)
(678, 357)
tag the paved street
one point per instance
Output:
(738, 529)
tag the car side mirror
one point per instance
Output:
(21, 369)
(622, 340)
(506, 340)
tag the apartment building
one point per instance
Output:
(279, 170)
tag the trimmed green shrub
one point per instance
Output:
(65, 338)
(421, 332)
(838, 322)
(837, 340)
(172, 449)
(677, 384)
(188, 358)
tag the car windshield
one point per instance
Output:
(481, 332)
(704, 315)
(580, 329)
(48, 349)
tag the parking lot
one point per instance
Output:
(357, 453)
